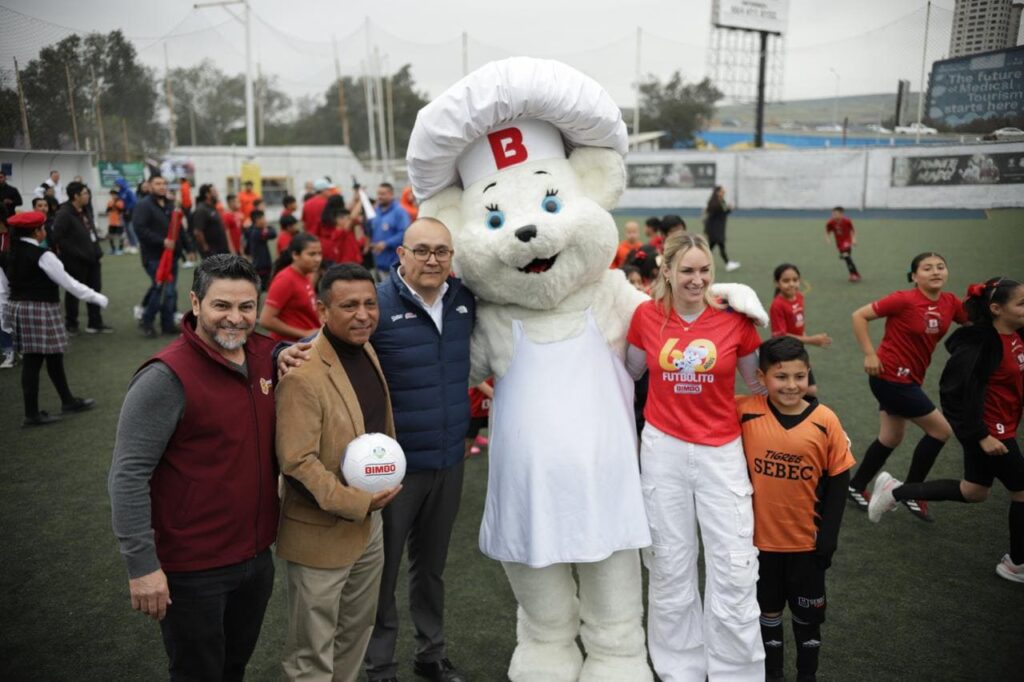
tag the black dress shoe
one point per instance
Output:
(438, 671)
(78, 405)
(41, 419)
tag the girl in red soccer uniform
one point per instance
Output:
(981, 391)
(289, 312)
(916, 319)
(693, 470)
(787, 314)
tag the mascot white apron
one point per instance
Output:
(564, 479)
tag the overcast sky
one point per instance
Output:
(869, 44)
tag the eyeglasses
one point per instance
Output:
(421, 253)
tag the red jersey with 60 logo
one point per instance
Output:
(914, 324)
(693, 370)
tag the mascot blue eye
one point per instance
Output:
(495, 217)
(551, 202)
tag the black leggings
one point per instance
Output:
(31, 364)
(713, 242)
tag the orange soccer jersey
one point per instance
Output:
(789, 468)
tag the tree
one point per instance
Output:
(215, 103)
(320, 123)
(126, 91)
(128, 94)
(213, 99)
(678, 108)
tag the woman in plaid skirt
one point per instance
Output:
(30, 284)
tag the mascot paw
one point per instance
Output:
(600, 668)
(742, 299)
(536, 662)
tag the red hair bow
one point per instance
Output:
(975, 290)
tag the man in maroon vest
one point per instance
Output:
(193, 483)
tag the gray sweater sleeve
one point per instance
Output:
(151, 411)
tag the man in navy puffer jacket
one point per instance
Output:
(422, 341)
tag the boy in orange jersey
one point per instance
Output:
(799, 461)
(115, 223)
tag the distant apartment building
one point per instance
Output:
(983, 25)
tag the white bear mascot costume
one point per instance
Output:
(533, 239)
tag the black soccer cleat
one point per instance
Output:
(919, 508)
(860, 498)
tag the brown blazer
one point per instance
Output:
(318, 415)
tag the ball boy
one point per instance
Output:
(799, 460)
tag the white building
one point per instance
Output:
(27, 169)
(283, 170)
(983, 25)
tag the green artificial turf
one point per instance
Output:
(907, 600)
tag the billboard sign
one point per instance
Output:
(751, 15)
(134, 173)
(671, 175)
(977, 88)
(958, 169)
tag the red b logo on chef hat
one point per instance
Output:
(512, 144)
(507, 147)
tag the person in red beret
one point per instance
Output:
(30, 284)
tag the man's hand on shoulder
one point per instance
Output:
(293, 356)
(384, 497)
(150, 594)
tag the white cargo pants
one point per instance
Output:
(685, 484)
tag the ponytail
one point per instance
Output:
(981, 295)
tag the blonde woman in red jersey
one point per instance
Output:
(693, 471)
(916, 319)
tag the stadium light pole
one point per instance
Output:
(759, 111)
(835, 100)
(924, 62)
(250, 115)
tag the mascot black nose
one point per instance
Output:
(526, 233)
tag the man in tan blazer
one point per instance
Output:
(330, 534)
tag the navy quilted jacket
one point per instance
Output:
(427, 372)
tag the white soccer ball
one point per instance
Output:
(373, 462)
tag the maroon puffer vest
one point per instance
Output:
(214, 493)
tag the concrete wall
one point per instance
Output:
(30, 167)
(823, 178)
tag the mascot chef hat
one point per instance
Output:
(505, 113)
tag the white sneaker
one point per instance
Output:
(131, 249)
(137, 311)
(732, 265)
(8, 362)
(881, 496)
(1009, 570)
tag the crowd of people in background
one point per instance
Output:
(139, 221)
(346, 271)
